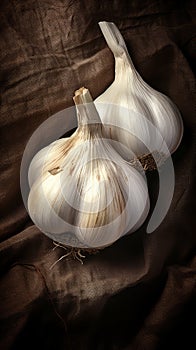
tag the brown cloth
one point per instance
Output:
(140, 292)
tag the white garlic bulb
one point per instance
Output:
(83, 194)
(139, 112)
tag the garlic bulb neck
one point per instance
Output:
(121, 66)
(86, 110)
(116, 44)
(89, 122)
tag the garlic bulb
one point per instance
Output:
(82, 193)
(131, 110)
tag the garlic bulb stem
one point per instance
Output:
(85, 108)
(118, 47)
(113, 38)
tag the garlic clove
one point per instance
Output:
(41, 210)
(129, 91)
(45, 156)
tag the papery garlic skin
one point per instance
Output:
(129, 91)
(46, 156)
(95, 197)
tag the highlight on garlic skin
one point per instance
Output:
(38, 167)
(129, 91)
(82, 193)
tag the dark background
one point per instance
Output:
(140, 292)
